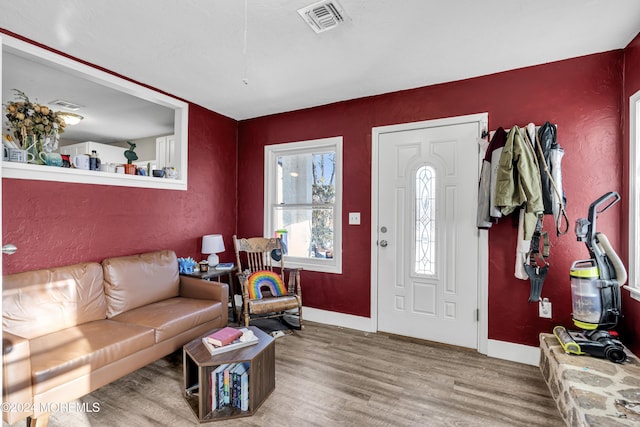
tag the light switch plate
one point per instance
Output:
(354, 218)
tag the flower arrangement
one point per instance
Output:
(29, 118)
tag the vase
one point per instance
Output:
(130, 169)
(49, 142)
(33, 147)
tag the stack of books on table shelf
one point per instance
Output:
(227, 339)
(226, 266)
(230, 386)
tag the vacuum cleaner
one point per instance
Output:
(595, 291)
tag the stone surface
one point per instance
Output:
(586, 377)
(591, 391)
(632, 381)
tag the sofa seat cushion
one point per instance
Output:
(62, 356)
(173, 316)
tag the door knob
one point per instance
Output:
(9, 249)
(383, 243)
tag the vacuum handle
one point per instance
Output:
(609, 199)
(584, 263)
(602, 199)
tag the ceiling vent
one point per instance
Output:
(65, 104)
(323, 16)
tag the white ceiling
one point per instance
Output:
(194, 49)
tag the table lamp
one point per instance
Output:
(212, 244)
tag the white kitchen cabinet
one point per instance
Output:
(165, 151)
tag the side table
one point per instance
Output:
(216, 274)
(199, 364)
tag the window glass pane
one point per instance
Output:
(425, 221)
(306, 178)
(309, 230)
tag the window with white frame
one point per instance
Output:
(634, 196)
(303, 202)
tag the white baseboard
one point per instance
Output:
(498, 349)
(514, 352)
(338, 319)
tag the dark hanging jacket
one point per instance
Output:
(547, 140)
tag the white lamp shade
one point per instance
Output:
(212, 244)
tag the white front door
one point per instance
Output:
(427, 253)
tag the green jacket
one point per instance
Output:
(518, 181)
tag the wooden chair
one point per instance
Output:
(257, 254)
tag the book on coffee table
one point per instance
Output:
(232, 346)
(224, 336)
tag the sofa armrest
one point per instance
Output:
(192, 287)
(17, 395)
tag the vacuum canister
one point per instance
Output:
(585, 294)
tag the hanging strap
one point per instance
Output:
(537, 267)
(562, 213)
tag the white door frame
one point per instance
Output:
(483, 241)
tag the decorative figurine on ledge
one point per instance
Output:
(131, 155)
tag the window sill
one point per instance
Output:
(635, 292)
(49, 173)
(309, 264)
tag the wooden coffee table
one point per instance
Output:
(198, 364)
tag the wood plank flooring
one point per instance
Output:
(329, 376)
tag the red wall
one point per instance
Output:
(630, 307)
(58, 223)
(581, 95)
(54, 223)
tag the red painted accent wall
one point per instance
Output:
(54, 223)
(580, 95)
(630, 307)
(58, 223)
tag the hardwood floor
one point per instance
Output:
(327, 376)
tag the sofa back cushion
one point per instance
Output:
(137, 280)
(36, 303)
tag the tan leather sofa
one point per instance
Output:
(70, 330)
